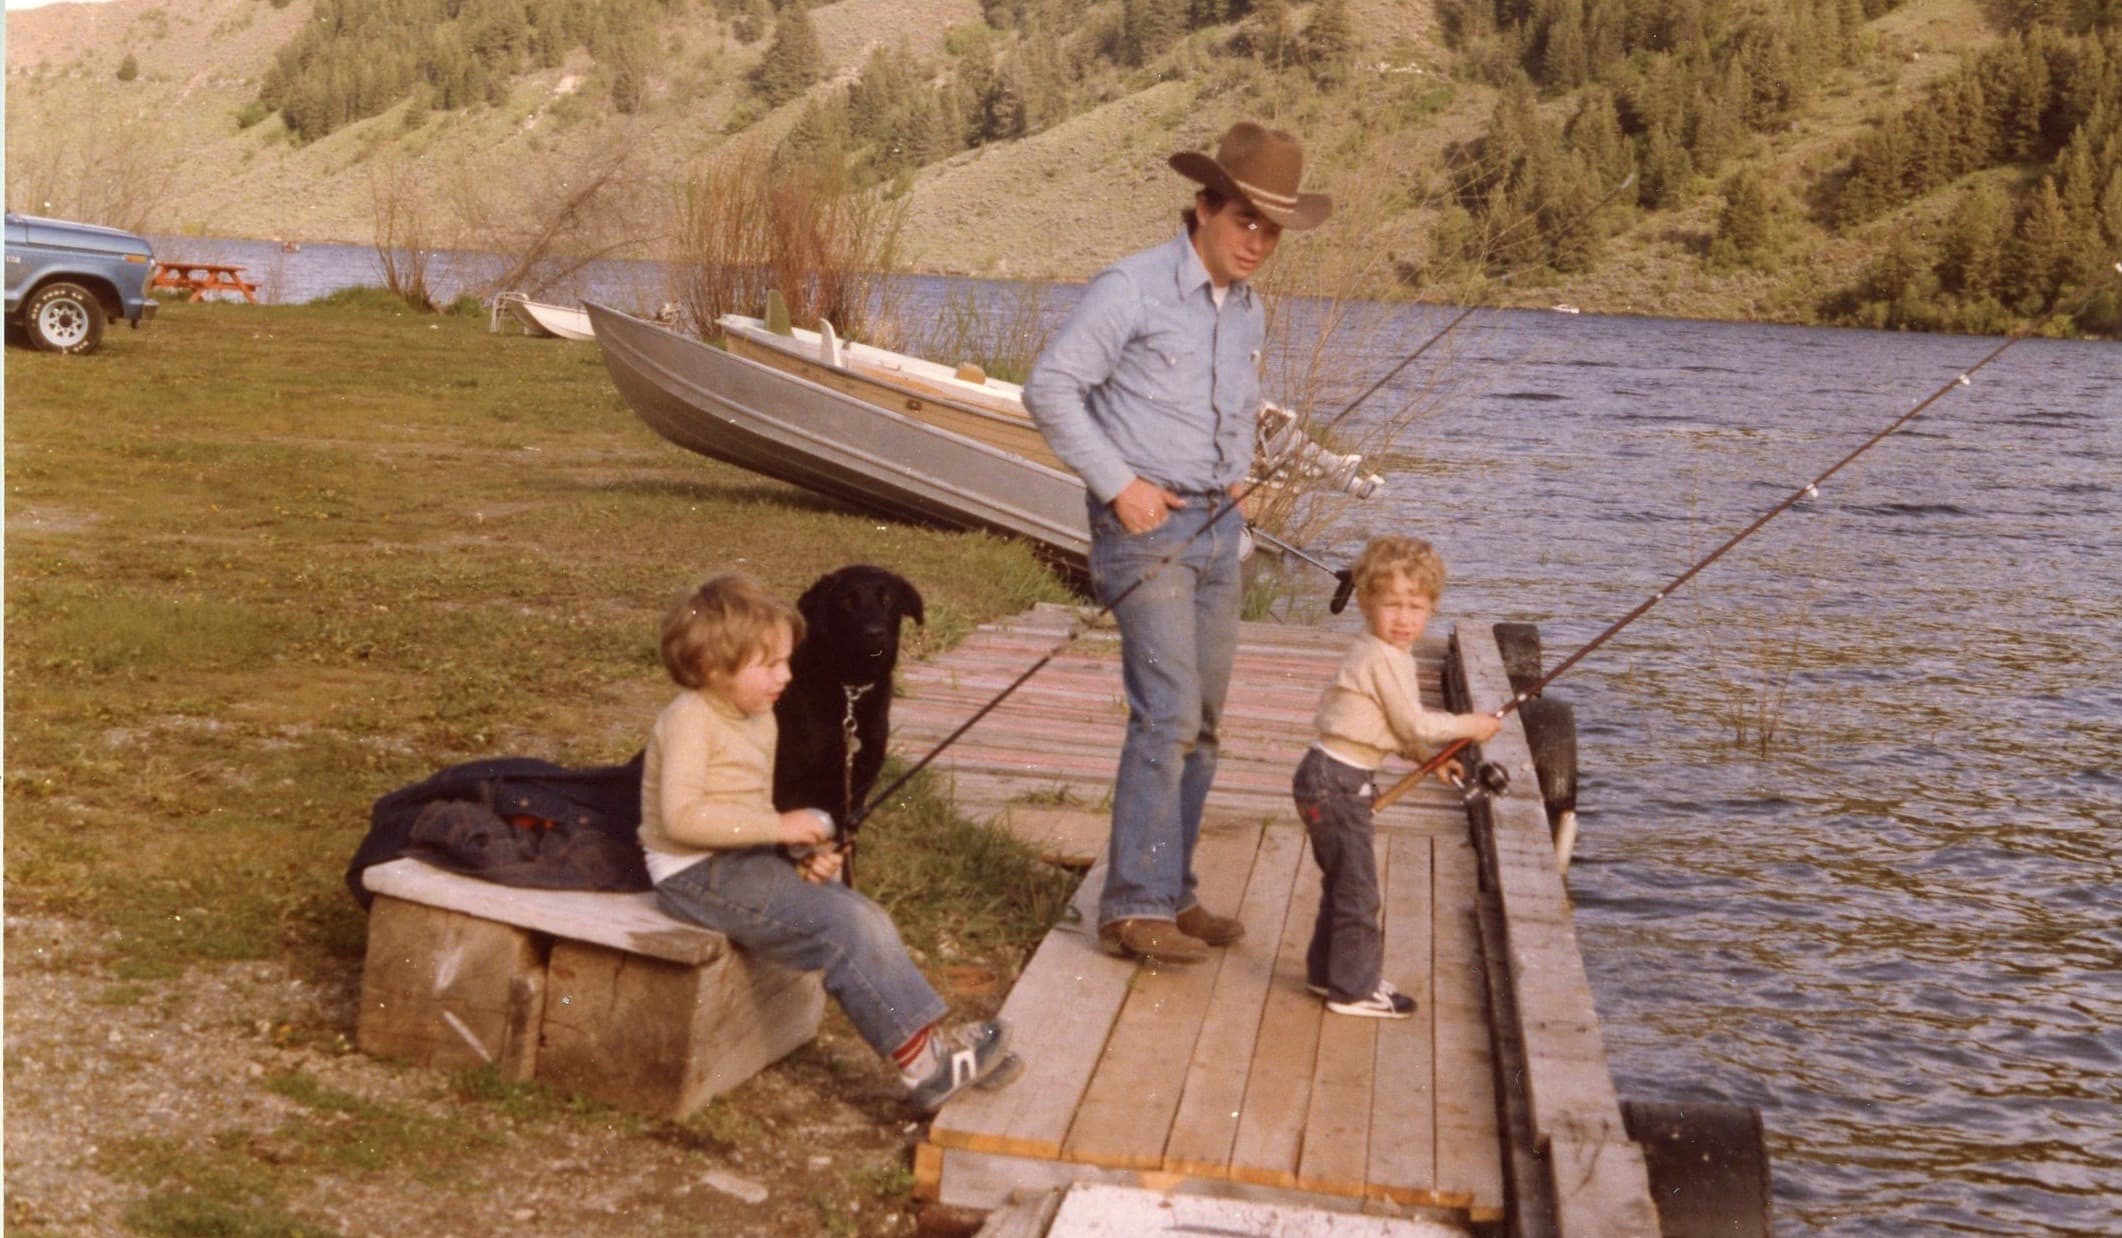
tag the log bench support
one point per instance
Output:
(596, 994)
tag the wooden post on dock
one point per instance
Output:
(1573, 1168)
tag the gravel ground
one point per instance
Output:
(115, 1086)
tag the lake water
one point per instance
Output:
(1898, 930)
(1896, 927)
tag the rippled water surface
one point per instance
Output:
(1895, 925)
(1897, 928)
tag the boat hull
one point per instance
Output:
(557, 321)
(759, 418)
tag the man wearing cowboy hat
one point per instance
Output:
(1149, 392)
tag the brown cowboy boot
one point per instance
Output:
(1157, 941)
(1206, 926)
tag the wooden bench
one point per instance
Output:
(598, 994)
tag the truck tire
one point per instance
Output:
(64, 318)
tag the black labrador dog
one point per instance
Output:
(842, 687)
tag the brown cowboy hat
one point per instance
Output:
(1264, 167)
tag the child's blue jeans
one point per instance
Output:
(757, 899)
(1347, 950)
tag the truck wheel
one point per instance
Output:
(65, 318)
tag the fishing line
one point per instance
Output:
(1229, 503)
(1810, 489)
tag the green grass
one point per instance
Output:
(265, 564)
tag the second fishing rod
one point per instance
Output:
(1224, 507)
(1810, 489)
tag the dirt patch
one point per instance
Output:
(123, 1094)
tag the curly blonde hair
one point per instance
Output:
(724, 624)
(1386, 557)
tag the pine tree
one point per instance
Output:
(1667, 170)
(1594, 134)
(1148, 27)
(1719, 121)
(793, 60)
(1268, 33)
(1329, 43)
(1605, 39)
(1565, 62)
(1972, 249)
(1746, 224)
(1876, 174)
(2079, 186)
(2037, 255)
(2111, 208)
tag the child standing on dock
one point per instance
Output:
(721, 856)
(1370, 711)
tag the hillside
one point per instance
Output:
(185, 147)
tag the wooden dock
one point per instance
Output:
(1228, 1078)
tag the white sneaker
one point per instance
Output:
(1386, 1002)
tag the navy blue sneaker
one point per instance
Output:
(963, 1056)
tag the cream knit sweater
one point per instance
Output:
(1373, 709)
(707, 783)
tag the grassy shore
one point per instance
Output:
(266, 564)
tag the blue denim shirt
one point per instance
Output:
(1147, 378)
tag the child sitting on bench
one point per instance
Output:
(722, 857)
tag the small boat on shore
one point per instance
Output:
(541, 319)
(963, 399)
(801, 431)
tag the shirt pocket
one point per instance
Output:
(1154, 361)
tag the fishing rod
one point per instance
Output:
(1810, 489)
(1223, 509)
(1345, 580)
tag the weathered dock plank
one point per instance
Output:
(1403, 1117)
(1061, 1011)
(1206, 1125)
(1467, 1130)
(1278, 1085)
(1126, 1114)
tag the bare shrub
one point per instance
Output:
(536, 234)
(746, 223)
(1327, 341)
(404, 233)
(76, 163)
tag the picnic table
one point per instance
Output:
(200, 278)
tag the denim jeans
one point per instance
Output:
(1178, 634)
(1347, 951)
(756, 898)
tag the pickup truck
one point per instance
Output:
(66, 280)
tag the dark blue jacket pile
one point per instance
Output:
(518, 821)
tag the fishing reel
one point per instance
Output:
(1282, 443)
(1490, 778)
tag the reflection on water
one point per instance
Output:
(1899, 931)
